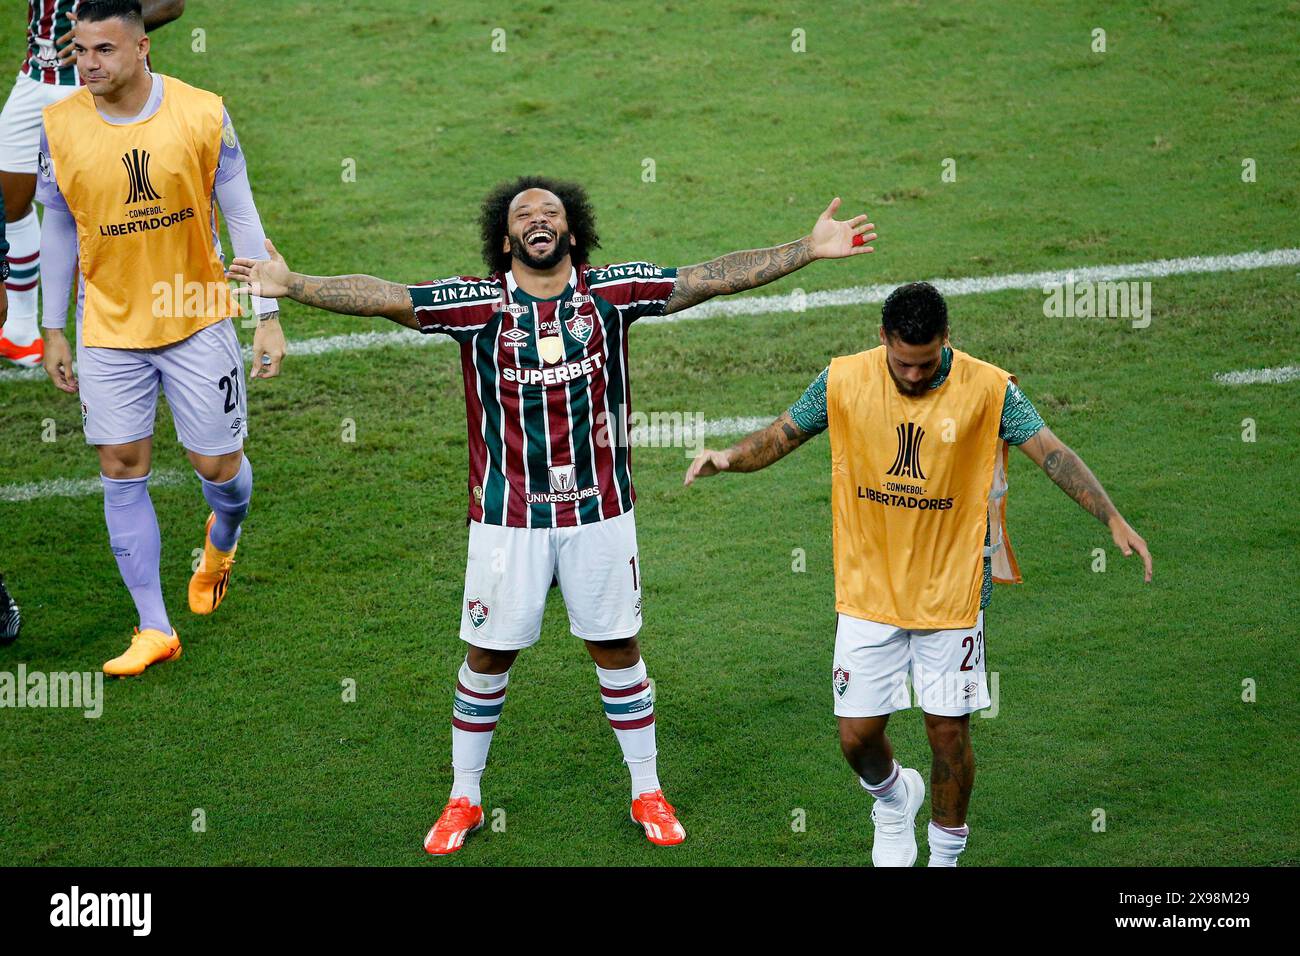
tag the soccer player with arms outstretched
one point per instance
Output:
(919, 434)
(132, 167)
(544, 355)
(47, 75)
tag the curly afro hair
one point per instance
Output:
(577, 209)
(916, 313)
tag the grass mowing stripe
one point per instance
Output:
(801, 302)
(656, 435)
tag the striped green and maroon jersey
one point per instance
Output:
(546, 389)
(47, 20)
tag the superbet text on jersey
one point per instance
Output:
(546, 389)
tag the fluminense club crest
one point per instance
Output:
(840, 679)
(478, 612)
(579, 326)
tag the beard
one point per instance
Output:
(906, 388)
(519, 250)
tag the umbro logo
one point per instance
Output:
(137, 174)
(514, 338)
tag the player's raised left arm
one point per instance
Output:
(830, 238)
(1074, 477)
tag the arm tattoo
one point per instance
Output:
(354, 295)
(767, 445)
(736, 272)
(1067, 469)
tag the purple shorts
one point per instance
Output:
(202, 378)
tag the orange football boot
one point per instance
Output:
(28, 356)
(209, 583)
(149, 646)
(659, 819)
(459, 819)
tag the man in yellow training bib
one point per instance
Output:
(131, 169)
(919, 433)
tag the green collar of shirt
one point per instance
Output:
(945, 366)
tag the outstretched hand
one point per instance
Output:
(268, 278)
(836, 238)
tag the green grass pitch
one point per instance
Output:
(1112, 695)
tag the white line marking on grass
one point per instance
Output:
(75, 487)
(866, 294)
(359, 342)
(674, 433)
(737, 426)
(1259, 376)
(675, 430)
(790, 302)
(21, 374)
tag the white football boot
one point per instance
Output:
(895, 841)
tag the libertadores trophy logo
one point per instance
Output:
(137, 174)
(907, 463)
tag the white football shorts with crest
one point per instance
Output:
(510, 571)
(201, 376)
(20, 122)
(873, 661)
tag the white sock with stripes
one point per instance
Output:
(629, 705)
(946, 844)
(24, 273)
(890, 792)
(475, 710)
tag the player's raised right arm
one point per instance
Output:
(353, 295)
(348, 295)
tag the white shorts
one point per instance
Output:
(510, 570)
(873, 662)
(202, 377)
(20, 122)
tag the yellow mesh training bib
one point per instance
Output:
(141, 194)
(910, 482)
